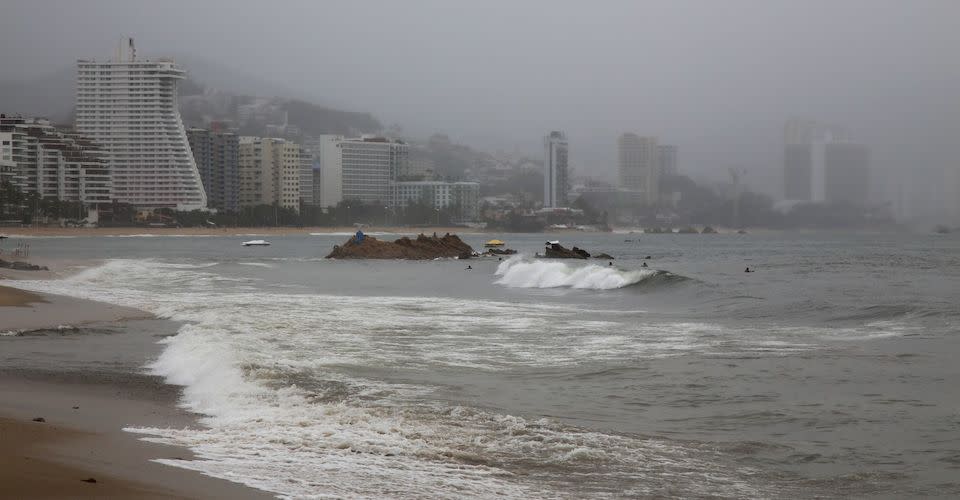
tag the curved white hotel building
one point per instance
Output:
(130, 107)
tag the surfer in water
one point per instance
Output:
(644, 265)
(468, 268)
(748, 270)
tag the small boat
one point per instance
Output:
(256, 243)
(494, 244)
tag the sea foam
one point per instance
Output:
(518, 272)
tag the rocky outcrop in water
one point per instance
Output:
(558, 251)
(499, 251)
(420, 248)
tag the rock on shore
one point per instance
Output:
(421, 248)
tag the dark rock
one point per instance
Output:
(499, 251)
(558, 251)
(39, 419)
(22, 266)
(422, 248)
(603, 256)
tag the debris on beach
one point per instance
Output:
(21, 266)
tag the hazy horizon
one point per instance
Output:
(716, 79)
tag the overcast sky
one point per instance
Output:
(716, 77)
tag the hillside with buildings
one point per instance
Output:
(253, 159)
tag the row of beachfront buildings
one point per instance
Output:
(129, 144)
(223, 171)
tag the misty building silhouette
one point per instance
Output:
(556, 183)
(639, 166)
(821, 164)
(846, 173)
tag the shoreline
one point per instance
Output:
(18, 232)
(86, 383)
(82, 437)
(25, 311)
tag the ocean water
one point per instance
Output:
(831, 371)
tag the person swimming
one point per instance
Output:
(609, 263)
(747, 270)
(468, 268)
(644, 265)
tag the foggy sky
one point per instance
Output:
(717, 78)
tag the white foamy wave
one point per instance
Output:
(275, 375)
(517, 272)
(254, 264)
(15, 236)
(154, 235)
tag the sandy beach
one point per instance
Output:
(64, 402)
(81, 438)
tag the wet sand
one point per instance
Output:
(86, 383)
(25, 311)
(12, 297)
(82, 438)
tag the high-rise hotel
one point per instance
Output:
(640, 165)
(130, 107)
(556, 182)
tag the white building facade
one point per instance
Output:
(556, 182)
(463, 197)
(360, 169)
(38, 158)
(130, 107)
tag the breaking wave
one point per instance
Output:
(518, 272)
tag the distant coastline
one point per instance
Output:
(220, 231)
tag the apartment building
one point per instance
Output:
(639, 166)
(270, 172)
(463, 197)
(556, 181)
(129, 106)
(362, 169)
(217, 155)
(39, 158)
